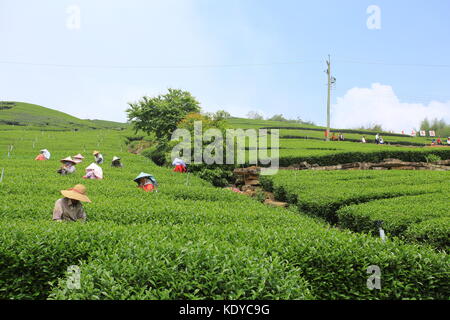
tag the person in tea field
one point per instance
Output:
(439, 141)
(78, 158)
(448, 141)
(180, 165)
(70, 208)
(44, 154)
(116, 162)
(333, 137)
(93, 171)
(68, 166)
(98, 157)
(146, 182)
(377, 138)
(363, 139)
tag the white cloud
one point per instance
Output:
(380, 105)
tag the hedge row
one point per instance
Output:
(409, 217)
(188, 241)
(287, 160)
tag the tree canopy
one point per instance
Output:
(161, 114)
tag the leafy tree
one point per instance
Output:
(425, 125)
(441, 128)
(376, 127)
(254, 115)
(221, 115)
(161, 114)
(277, 117)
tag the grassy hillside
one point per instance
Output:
(26, 116)
(300, 143)
(293, 130)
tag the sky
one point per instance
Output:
(89, 58)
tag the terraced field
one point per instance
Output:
(409, 203)
(187, 241)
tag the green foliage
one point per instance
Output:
(441, 128)
(323, 193)
(221, 115)
(25, 116)
(254, 115)
(187, 241)
(432, 158)
(161, 114)
(405, 217)
(156, 153)
(277, 117)
(218, 176)
(433, 231)
(260, 195)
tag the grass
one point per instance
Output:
(26, 116)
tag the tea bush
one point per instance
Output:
(400, 215)
(189, 240)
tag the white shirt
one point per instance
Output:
(99, 158)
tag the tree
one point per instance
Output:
(376, 127)
(254, 115)
(277, 117)
(425, 125)
(221, 115)
(161, 114)
(441, 128)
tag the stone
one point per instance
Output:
(275, 203)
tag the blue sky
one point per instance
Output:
(237, 55)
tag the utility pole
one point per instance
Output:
(329, 96)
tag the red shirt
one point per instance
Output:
(180, 168)
(147, 187)
(40, 157)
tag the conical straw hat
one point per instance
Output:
(76, 193)
(146, 175)
(98, 171)
(69, 159)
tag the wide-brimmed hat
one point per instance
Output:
(115, 158)
(178, 161)
(145, 175)
(68, 159)
(97, 170)
(46, 153)
(76, 193)
(95, 152)
(78, 156)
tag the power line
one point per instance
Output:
(393, 64)
(157, 67)
(237, 65)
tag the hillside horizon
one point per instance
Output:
(17, 113)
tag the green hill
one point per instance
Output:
(300, 131)
(21, 115)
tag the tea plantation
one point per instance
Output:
(413, 205)
(191, 240)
